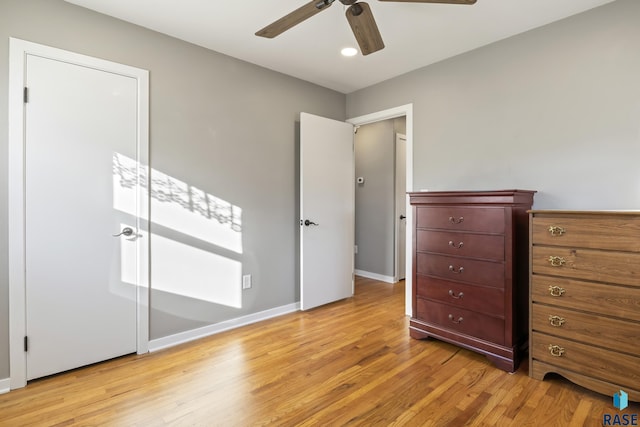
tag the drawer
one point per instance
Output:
(487, 246)
(482, 219)
(479, 272)
(606, 332)
(587, 359)
(476, 298)
(593, 231)
(461, 321)
(590, 264)
(611, 300)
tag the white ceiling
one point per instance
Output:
(415, 34)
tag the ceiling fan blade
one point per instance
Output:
(294, 18)
(364, 27)
(435, 1)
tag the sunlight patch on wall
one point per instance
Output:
(178, 267)
(191, 211)
(179, 206)
(184, 270)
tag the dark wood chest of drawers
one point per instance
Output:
(585, 299)
(470, 271)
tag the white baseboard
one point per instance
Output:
(375, 276)
(5, 386)
(194, 334)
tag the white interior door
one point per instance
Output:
(401, 205)
(80, 299)
(327, 210)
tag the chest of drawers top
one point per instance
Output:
(461, 198)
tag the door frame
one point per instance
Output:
(397, 223)
(18, 51)
(392, 113)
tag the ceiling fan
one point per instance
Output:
(359, 15)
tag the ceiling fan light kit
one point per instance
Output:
(359, 16)
(349, 51)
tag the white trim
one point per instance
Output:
(18, 51)
(17, 321)
(375, 276)
(143, 202)
(194, 334)
(4, 385)
(397, 222)
(407, 111)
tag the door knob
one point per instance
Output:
(308, 223)
(402, 217)
(127, 231)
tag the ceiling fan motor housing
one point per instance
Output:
(321, 4)
(356, 10)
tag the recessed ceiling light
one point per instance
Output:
(349, 51)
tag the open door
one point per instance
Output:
(327, 210)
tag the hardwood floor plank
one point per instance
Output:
(347, 363)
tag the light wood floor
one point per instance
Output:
(347, 363)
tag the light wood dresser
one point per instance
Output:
(470, 275)
(585, 298)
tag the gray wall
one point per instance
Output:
(375, 198)
(219, 124)
(556, 109)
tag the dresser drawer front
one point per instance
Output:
(486, 246)
(587, 359)
(485, 273)
(481, 219)
(476, 298)
(590, 264)
(462, 321)
(611, 300)
(597, 232)
(606, 332)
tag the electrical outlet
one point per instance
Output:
(246, 281)
(356, 249)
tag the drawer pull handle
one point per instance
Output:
(453, 319)
(556, 350)
(453, 269)
(556, 231)
(556, 261)
(453, 294)
(556, 321)
(453, 245)
(556, 291)
(453, 220)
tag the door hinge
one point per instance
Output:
(25, 95)
(26, 343)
